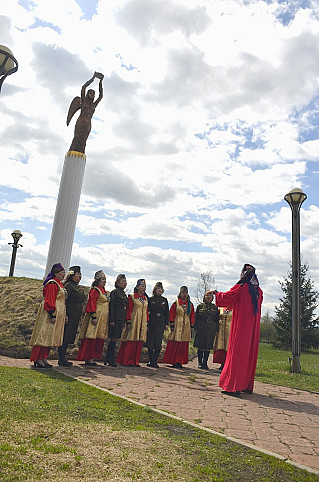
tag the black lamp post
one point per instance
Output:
(295, 198)
(8, 64)
(17, 235)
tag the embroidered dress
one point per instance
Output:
(178, 340)
(134, 337)
(45, 333)
(92, 336)
(222, 338)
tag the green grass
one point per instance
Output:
(273, 367)
(55, 428)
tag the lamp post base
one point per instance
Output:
(295, 366)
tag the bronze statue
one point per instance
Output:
(87, 105)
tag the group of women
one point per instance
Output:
(135, 320)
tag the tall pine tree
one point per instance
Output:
(308, 306)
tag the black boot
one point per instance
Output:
(107, 354)
(62, 362)
(205, 360)
(155, 357)
(112, 362)
(200, 358)
(150, 358)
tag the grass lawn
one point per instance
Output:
(273, 367)
(55, 428)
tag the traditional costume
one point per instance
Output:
(158, 320)
(134, 334)
(222, 338)
(117, 316)
(74, 307)
(94, 329)
(240, 366)
(50, 320)
(206, 327)
(181, 318)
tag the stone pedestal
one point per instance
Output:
(66, 210)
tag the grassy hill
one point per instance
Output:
(20, 300)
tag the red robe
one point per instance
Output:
(241, 360)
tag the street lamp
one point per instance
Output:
(8, 64)
(295, 198)
(15, 245)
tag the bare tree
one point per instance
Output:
(205, 283)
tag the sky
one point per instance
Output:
(209, 117)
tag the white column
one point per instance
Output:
(66, 210)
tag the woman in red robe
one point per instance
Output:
(240, 365)
(181, 318)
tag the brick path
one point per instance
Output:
(278, 419)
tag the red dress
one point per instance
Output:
(50, 291)
(178, 343)
(240, 365)
(132, 340)
(91, 347)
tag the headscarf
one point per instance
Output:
(72, 271)
(56, 268)
(253, 284)
(118, 278)
(139, 283)
(184, 288)
(157, 285)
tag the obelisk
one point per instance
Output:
(67, 207)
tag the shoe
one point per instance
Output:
(63, 363)
(204, 367)
(149, 364)
(177, 365)
(247, 391)
(155, 365)
(90, 364)
(69, 363)
(112, 364)
(231, 394)
(37, 365)
(46, 364)
(199, 367)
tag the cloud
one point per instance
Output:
(142, 17)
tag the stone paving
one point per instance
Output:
(274, 418)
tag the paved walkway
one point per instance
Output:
(278, 419)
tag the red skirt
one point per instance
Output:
(176, 352)
(90, 348)
(40, 353)
(219, 356)
(130, 353)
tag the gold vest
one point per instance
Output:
(222, 338)
(138, 329)
(182, 325)
(88, 330)
(44, 332)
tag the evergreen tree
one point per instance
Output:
(308, 306)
